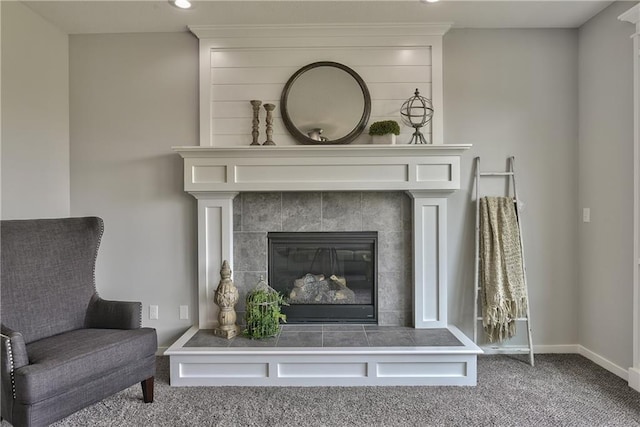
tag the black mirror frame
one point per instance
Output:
(304, 139)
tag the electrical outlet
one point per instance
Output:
(153, 312)
(184, 312)
(586, 215)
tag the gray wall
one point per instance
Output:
(514, 92)
(605, 156)
(133, 97)
(35, 116)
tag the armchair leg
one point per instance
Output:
(147, 390)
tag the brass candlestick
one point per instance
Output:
(255, 132)
(226, 297)
(269, 120)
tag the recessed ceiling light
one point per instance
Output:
(429, 1)
(182, 4)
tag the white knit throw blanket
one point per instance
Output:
(503, 290)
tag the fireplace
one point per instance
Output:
(326, 276)
(245, 193)
(226, 176)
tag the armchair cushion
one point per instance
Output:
(113, 314)
(74, 358)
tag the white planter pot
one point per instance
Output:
(384, 139)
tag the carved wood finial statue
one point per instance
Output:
(255, 132)
(226, 297)
(269, 120)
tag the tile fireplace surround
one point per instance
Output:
(428, 174)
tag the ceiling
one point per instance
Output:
(90, 16)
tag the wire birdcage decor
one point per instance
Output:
(417, 112)
(263, 314)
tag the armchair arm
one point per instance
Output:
(13, 356)
(113, 314)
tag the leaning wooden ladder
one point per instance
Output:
(510, 173)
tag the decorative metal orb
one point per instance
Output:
(417, 112)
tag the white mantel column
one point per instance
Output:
(215, 244)
(429, 260)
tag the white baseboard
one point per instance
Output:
(605, 363)
(634, 378)
(507, 349)
(632, 375)
(563, 348)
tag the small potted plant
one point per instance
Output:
(263, 313)
(384, 132)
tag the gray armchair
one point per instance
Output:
(63, 347)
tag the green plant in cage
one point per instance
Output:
(263, 313)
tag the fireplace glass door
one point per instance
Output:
(325, 276)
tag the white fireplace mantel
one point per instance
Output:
(215, 175)
(323, 168)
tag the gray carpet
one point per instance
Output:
(562, 390)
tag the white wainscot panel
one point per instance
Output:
(208, 174)
(433, 173)
(306, 367)
(224, 370)
(245, 174)
(322, 370)
(422, 369)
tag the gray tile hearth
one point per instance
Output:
(245, 342)
(206, 338)
(345, 339)
(335, 335)
(300, 339)
(397, 338)
(342, 328)
(436, 337)
(303, 328)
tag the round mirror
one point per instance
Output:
(325, 103)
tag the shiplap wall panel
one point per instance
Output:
(378, 91)
(243, 125)
(399, 91)
(239, 76)
(248, 91)
(239, 109)
(237, 69)
(356, 56)
(370, 74)
(242, 109)
(395, 73)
